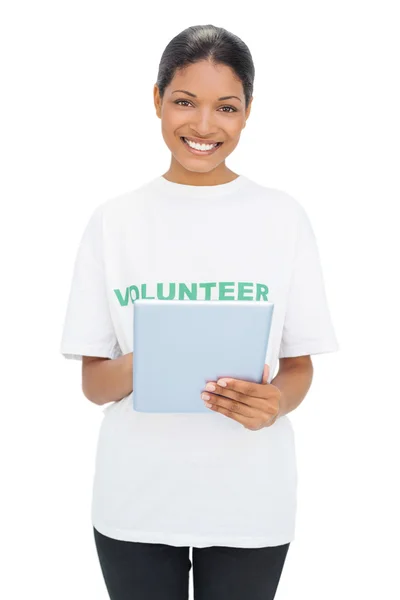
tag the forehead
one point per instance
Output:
(207, 80)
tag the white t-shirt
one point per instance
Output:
(196, 479)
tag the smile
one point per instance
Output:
(200, 149)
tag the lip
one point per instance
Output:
(200, 140)
(200, 152)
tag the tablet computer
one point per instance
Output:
(180, 345)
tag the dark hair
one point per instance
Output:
(207, 42)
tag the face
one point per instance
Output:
(199, 114)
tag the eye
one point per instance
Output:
(233, 109)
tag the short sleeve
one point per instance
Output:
(88, 328)
(308, 327)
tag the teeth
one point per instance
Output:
(199, 146)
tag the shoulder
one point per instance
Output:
(119, 206)
(278, 200)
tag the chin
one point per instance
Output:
(196, 168)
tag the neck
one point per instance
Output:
(178, 174)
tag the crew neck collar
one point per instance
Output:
(197, 191)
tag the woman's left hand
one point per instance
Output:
(255, 405)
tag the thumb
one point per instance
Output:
(265, 374)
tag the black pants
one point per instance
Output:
(145, 571)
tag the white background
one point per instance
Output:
(78, 126)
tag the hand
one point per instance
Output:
(255, 405)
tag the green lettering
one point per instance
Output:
(223, 291)
(184, 290)
(207, 287)
(262, 292)
(171, 295)
(241, 291)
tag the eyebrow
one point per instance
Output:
(194, 95)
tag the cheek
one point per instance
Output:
(233, 139)
(172, 120)
(234, 128)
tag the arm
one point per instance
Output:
(293, 380)
(107, 380)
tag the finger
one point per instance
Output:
(232, 405)
(247, 388)
(265, 374)
(257, 420)
(248, 422)
(229, 392)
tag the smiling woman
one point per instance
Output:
(200, 70)
(224, 482)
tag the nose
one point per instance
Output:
(203, 124)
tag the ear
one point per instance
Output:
(248, 109)
(157, 100)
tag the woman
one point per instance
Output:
(225, 482)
